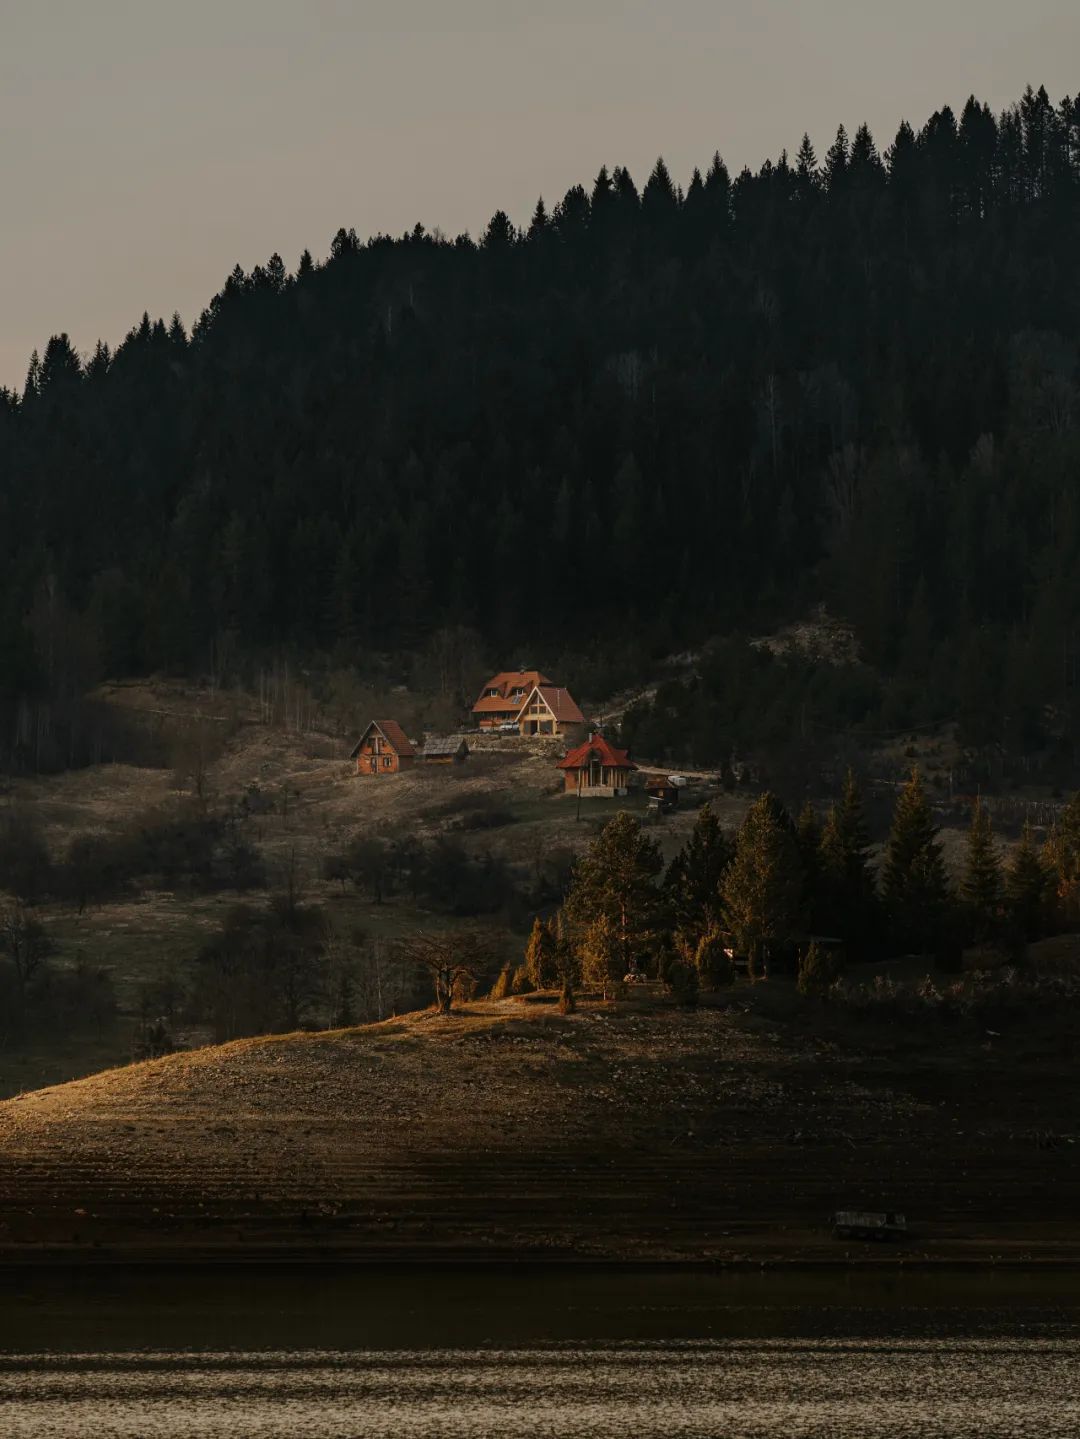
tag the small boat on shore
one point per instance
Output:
(868, 1224)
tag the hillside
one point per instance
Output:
(507, 1131)
(699, 404)
(294, 800)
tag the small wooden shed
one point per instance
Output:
(444, 749)
(383, 748)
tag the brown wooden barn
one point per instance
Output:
(597, 768)
(383, 748)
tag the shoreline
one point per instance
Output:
(201, 1259)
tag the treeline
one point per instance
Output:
(703, 407)
(40, 998)
(442, 875)
(802, 894)
(184, 848)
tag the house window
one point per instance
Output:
(386, 762)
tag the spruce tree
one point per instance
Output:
(1027, 887)
(1063, 860)
(566, 965)
(762, 888)
(540, 956)
(808, 840)
(695, 876)
(914, 882)
(615, 877)
(504, 981)
(847, 889)
(600, 950)
(981, 887)
(807, 177)
(836, 162)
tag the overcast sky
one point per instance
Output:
(150, 145)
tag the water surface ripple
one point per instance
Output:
(1010, 1386)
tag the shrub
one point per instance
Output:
(521, 982)
(503, 985)
(711, 961)
(819, 969)
(680, 979)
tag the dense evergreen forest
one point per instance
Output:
(654, 419)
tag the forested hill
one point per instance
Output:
(650, 417)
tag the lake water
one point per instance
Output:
(544, 1353)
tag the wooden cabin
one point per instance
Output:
(549, 709)
(597, 768)
(503, 696)
(444, 749)
(383, 748)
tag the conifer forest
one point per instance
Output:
(664, 416)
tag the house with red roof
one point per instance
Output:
(503, 696)
(550, 709)
(597, 768)
(383, 748)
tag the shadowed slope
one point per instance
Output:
(510, 1132)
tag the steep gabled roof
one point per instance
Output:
(392, 733)
(559, 702)
(597, 745)
(504, 682)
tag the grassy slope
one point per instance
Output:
(630, 1132)
(315, 805)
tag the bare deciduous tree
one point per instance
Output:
(451, 958)
(24, 941)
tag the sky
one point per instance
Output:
(151, 145)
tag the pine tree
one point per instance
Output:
(807, 176)
(914, 882)
(847, 891)
(1063, 860)
(566, 965)
(695, 876)
(718, 192)
(836, 162)
(808, 840)
(600, 950)
(659, 202)
(539, 222)
(504, 980)
(33, 378)
(865, 169)
(981, 886)
(615, 878)
(540, 956)
(762, 888)
(1027, 887)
